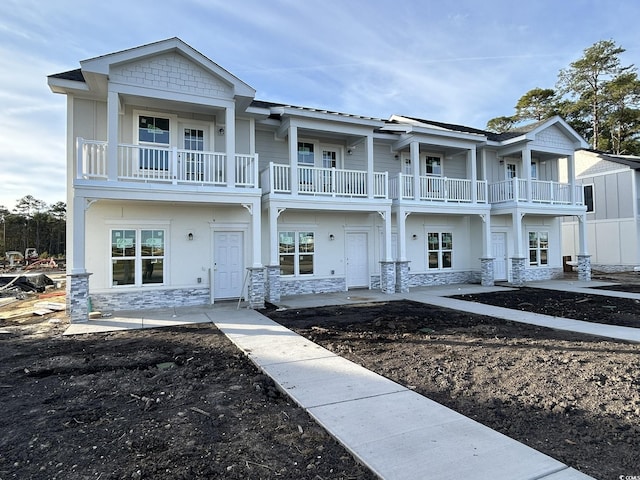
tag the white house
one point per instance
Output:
(184, 189)
(612, 193)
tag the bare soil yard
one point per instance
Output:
(184, 403)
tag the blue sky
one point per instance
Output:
(457, 61)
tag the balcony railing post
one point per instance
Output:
(173, 173)
(79, 153)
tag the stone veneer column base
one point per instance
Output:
(584, 268)
(256, 288)
(402, 277)
(387, 277)
(486, 272)
(517, 271)
(272, 286)
(78, 297)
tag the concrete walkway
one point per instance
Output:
(394, 431)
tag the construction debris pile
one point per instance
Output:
(15, 285)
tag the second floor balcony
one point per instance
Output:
(519, 190)
(437, 189)
(164, 165)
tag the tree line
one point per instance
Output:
(34, 224)
(596, 94)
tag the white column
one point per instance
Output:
(473, 174)
(571, 173)
(77, 231)
(414, 149)
(370, 165)
(402, 235)
(517, 234)
(387, 235)
(230, 144)
(293, 159)
(256, 233)
(274, 258)
(113, 111)
(526, 166)
(486, 236)
(582, 235)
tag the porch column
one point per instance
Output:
(584, 259)
(526, 167)
(518, 259)
(402, 234)
(472, 173)
(256, 233)
(486, 261)
(370, 166)
(293, 159)
(230, 144)
(77, 277)
(571, 173)
(414, 149)
(113, 111)
(387, 265)
(272, 287)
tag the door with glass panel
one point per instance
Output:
(329, 162)
(193, 165)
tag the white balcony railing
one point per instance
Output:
(318, 181)
(542, 191)
(141, 163)
(438, 189)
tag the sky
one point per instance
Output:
(454, 61)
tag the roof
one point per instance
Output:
(631, 161)
(74, 75)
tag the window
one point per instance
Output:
(305, 154)
(538, 248)
(588, 197)
(534, 170)
(440, 250)
(433, 166)
(154, 131)
(296, 253)
(137, 257)
(511, 171)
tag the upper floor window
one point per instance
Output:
(305, 153)
(433, 165)
(534, 170)
(588, 197)
(154, 131)
(511, 171)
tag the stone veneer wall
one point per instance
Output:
(486, 274)
(179, 297)
(272, 286)
(313, 285)
(584, 268)
(537, 274)
(386, 281)
(77, 302)
(441, 278)
(256, 288)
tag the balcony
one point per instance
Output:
(324, 182)
(542, 192)
(437, 189)
(164, 165)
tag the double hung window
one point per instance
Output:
(433, 166)
(538, 248)
(588, 197)
(440, 250)
(153, 133)
(297, 251)
(137, 256)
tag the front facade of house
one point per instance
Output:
(183, 189)
(611, 186)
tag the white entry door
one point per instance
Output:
(499, 252)
(357, 260)
(228, 267)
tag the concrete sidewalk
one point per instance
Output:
(394, 431)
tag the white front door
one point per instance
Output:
(228, 267)
(357, 260)
(499, 252)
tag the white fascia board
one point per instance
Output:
(61, 85)
(330, 116)
(257, 112)
(321, 125)
(159, 94)
(446, 139)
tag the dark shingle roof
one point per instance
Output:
(75, 75)
(631, 161)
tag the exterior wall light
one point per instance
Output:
(331, 237)
(414, 236)
(190, 236)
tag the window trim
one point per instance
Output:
(538, 263)
(593, 197)
(137, 257)
(296, 254)
(440, 251)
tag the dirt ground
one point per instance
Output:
(184, 403)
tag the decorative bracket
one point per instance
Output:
(90, 201)
(249, 208)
